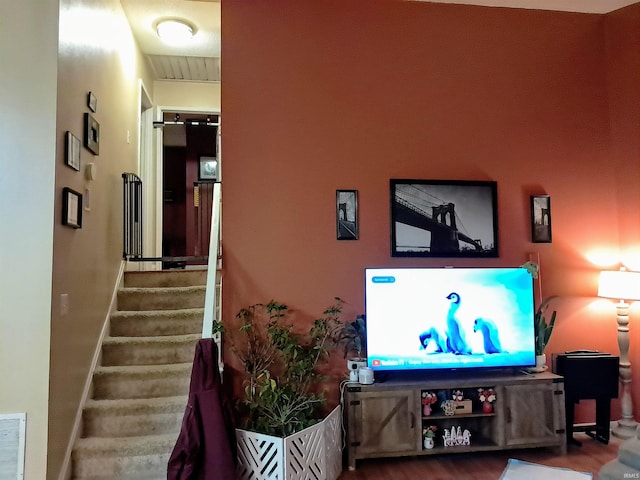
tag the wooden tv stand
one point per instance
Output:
(386, 418)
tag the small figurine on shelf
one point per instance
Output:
(428, 435)
(457, 396)
(428, 399)
(487, 397)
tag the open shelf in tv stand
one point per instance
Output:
(385, 419)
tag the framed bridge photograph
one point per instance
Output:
(444, 218)
(540, 218)
(346, 214)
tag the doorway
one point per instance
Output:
(190, 167)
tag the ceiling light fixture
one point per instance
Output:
(175, 31)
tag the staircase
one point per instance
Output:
(139, 391)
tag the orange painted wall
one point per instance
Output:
(325, 94)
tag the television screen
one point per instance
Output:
(449, 318)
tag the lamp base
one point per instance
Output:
(625, 428)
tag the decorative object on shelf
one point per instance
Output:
(457, 396)
(448, 407)
(91, 134)
(347, 214)
(428, 399)
(444, 207)
(72, 151)
(622, 285)
(540, 218)
(456, 437)
(92, 102)
(487, 397)
(428, 435)
(71, 208)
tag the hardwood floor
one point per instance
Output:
(483, 466)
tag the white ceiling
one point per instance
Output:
(200, 59)
(582, 6)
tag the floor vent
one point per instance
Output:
(12, 430)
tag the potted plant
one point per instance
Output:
(543, 331)
(352, 337)
(283, 401)
(428, 435)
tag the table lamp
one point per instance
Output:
(622, 285)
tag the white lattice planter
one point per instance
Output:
(315, 453)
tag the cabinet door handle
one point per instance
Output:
(412, 420)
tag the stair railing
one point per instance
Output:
(213, 301)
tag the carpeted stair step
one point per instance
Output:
(123, 458)
(133, 417)
(147, 381)
(149, 350)
(175, 278)
(156, 322)
(164, 298)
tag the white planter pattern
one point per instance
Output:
(314, 453)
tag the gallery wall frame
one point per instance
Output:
(444, 218)
(91, 134)
(71, 208)
(72, 151)
(92, 102)
(208, 168)
(347, 215)
(541, 218)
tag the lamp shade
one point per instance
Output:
(619, 284)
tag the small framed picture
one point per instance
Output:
(72, 151)
(347, 214)
(71, 208)
(92, 102)
(208, 169)
(540, 218)
(91, 134)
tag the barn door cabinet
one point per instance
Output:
(388, 419)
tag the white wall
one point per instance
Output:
(28, 84)
(204, 97)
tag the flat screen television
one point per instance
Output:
(449, 318)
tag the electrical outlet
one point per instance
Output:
(64, 304)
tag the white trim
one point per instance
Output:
(65, 472)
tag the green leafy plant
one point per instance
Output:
(543, 330)
(352, 337)
(282, 366)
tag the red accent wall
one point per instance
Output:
(330, 95)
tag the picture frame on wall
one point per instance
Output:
(444, 218)
(92, 102)
(540, 218)
(72, 151)
(71, 208)
(91, 134)
(347, 214)
(208, 168)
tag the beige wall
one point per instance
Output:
(97, 53)
(200, 96)
(28, 55)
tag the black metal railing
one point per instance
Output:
(132, 215)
